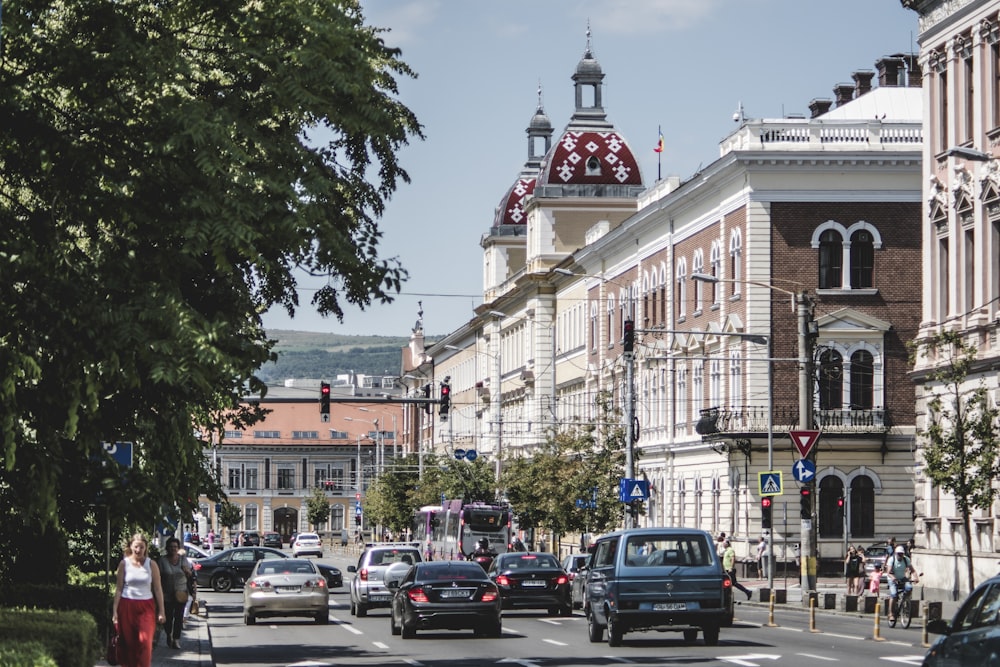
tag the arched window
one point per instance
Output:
(664, 280)
(736, 260)
(862, 380)
(831, 259)
(862, 259)
(681, 295)
(831, 522)
(698, 266)
(593, 326)
(611, 318)
(715, 267)
(862, 507)
(831, 380)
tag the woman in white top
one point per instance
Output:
(138, 603)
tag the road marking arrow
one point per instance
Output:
(746, 660)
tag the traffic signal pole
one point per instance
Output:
(808, 548)
(628, 347)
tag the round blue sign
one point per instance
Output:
(471, 455)
(459, 454)
(804, 470)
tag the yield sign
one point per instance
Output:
(804, 441)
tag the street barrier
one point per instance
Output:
(812, 615)
(770, 613)
(878, 618)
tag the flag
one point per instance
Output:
(659, 145)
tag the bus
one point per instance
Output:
(451, 530)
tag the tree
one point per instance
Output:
(317, 508)
(961, 445)
(230, 515)
(167, 170)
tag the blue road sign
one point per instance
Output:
(633, 489)
(121, 452)
(804, 470)
(770, 483)
(459, 454)
(471, 454)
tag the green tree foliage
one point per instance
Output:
(544, 488)
(165, 170)
(317, 508)
(961, 446)
(230, 514)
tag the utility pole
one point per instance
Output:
(809, 531)
(628, 347)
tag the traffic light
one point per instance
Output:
(445, 399)
(628, 337)
(840, 505)
(324, 398)
(357, 519)
(634, 507)
(765, 512)
(427, 395)
(805, 502)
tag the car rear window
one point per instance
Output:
(388, 557)
(667, 551)
(455, 571)
(530, 561)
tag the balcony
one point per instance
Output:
(751, 420)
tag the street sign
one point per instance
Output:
(459, 454)
(471, 454)
(804, 440)
(804, 470)
(121, 452)
(769, 483)
(633, 489)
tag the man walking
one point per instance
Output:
(729, 565)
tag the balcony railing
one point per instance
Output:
(753, 419)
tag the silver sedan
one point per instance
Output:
(286, 587)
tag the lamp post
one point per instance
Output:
(801, 304)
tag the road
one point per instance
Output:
(531, 639)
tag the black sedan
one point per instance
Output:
(444, 595)
(228, 569)
(273, 540)
(532, 581)
(972, 637)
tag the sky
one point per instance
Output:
(681, 66)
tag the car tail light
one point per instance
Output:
(417, 595)
(503, 580)
(197, 566)
(363, 574)
(561, 579)
(315, 583)
(489, 596)
(260, 584)
(727, 582)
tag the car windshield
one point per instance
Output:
(667, 550)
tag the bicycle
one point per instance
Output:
(900, 606)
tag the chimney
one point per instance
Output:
(889, 70)
(862, 81)
(843, 93)
(819, 106)
(914, 73)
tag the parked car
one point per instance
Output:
(576, 568)
(445, 594)
(307, 544)
(272, 539)
(251, 539)
(874, 558)
(286, 587)
(368, 589)
(228, 569)
(667, 579)
(529, 580)
(972, 637)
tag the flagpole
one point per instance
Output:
(659, 153)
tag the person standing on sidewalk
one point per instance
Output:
(853, 570)
(138, 603)
(763, 558)
(175, 570)
(729, 565)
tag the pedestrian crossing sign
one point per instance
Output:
(770, 483)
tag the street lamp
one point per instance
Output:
(800, 303)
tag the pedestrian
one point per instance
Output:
(718, 544)
(763, 558)
(729, 565)
(241, 539)
(211, 542)
(175, 569)
(138, 603)
(853, 569)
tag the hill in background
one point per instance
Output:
(313, 355)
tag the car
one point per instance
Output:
(334, 577)
(443, 595)
(875, 556)
(228, 569)
(251, 539)
(307, 544)
(665, 579)
(286, 587)
(972, 637)
(532, 580)
(194, 552)
(576, 568)
(368, 589)
(272, 539)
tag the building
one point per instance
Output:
(960, 53)
(824, 210)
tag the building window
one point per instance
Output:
(250, 477)
(593, 327)
(944, 267)
(339, 435)
(715, 269)
(232, 434)
(862, 507)
(250, 517)
(736, 379)
(235, 479)
(698, 266)
(286, 478)
(831, 380)
(715, 383)
(664, 281)
(681, 296)
(305, 435)
(831, 260)
(969, 81)
(611, 317)
(831, 522)
(862, 380)
(265, 435)
(862, 259)
(736, 260)
(697, 391)
(995, 82)
(942, 91)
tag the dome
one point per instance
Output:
(590, 158)
(511, 209)
(588, 66)
(540, 121)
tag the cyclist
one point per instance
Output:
(897, 569)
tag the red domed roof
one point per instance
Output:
(591, 158)
(511, 210)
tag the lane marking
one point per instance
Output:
(346, 626)
(380, 645)
(618, 658)
(906, 659)
(411, 661)
(554, 642)
(817, 657)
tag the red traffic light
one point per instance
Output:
(765, 502)
(840, 501)
(324, 388)
(805, 491)
(445, 390)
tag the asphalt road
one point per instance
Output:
(531, 638)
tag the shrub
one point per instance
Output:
(70, 637)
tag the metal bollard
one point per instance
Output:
(812, 615)
(878, 614)
(770, 611)
(924, 636)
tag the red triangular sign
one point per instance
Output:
(804, 441)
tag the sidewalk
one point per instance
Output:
(195, 650)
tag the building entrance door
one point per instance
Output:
(286, 522)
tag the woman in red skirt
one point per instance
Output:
(138, 604)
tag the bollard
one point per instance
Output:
(878, 617)
(770, 614)
(812, 615)
(924, 636)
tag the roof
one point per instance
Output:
(889, 103)
(590, 158)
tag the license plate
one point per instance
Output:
(670, 606)
(378, 598)
(457, 593)
(533, 583)
(288, 589)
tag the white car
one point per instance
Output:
(194, 552)
(307, 544)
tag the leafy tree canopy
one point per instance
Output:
(165, 170)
